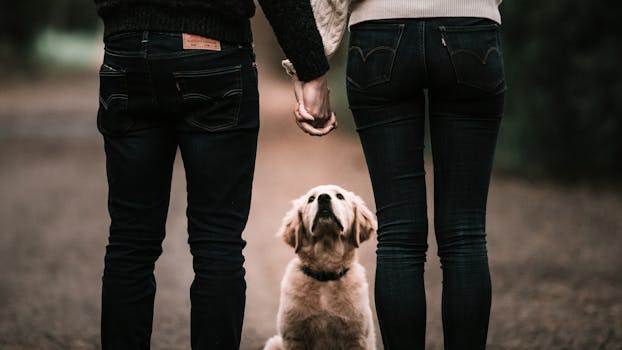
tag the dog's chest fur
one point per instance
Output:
(323, 314)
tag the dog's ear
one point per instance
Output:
(364, 224)
(292, 227)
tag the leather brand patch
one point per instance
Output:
(197, 42)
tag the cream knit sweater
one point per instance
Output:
(382, 9)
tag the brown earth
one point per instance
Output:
(555, 252)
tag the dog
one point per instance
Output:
(324, 301)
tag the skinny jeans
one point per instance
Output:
(451, 69)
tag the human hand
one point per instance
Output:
(313, 114)
(316, 98)
(314, 128)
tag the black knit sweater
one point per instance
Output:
(226, 20)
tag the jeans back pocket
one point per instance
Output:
(113, 118)
(371, 53)
(476, 56)
(211, 97)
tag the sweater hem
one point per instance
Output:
(372, 10)
(211, 25)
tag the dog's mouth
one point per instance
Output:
(325, 217)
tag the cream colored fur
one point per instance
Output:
(333, 314)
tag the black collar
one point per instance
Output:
(323, 276)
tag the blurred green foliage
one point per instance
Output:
(564, 101)
(21, 22)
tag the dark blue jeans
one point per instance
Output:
(391, 63)
(156, 97)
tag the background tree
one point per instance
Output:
(565, 89)
(21, 21)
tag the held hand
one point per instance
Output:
(314, 128)
(316, 98)
(313, 113)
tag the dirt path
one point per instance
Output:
(554, 252)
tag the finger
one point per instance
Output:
(309, 129)
(318, 112)
(322, 123)
(300, 117)
(297, 116)
(329, 118)
(325, 130)
(321, 131)
(304, 113)
(304, 124)
(333, 118)
(312, 130)
(329, 126)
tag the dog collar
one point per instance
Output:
(323, 276)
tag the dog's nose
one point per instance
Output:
(323, 198)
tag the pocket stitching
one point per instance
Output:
(483, 61)
(207, 72)
(112, 97)
(111, 72)
(364, 57)
(232, 92)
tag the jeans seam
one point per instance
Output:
(423, 52)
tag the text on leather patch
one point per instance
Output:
(197, 42)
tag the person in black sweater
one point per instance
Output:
(225, 20)
(181, 75)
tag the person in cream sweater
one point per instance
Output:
(408, 59)
(442, 58)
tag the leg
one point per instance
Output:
(463, 151)
(140, 151)
(390, 121)
(139, 166)
(464, 122)
(219, 172)
(466, 103)
(394, 154)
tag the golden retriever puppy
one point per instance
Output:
(324, 295)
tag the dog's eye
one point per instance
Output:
(311, 199)
(340, 196)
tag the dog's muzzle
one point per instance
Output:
(325, 215)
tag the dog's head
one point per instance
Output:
(326, 225)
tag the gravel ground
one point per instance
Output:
(555, 251)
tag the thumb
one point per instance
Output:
(304, 113)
